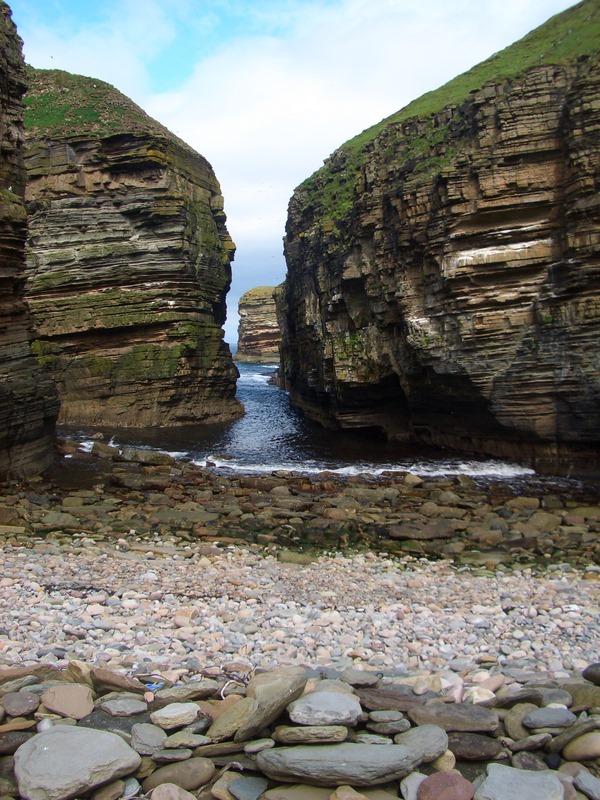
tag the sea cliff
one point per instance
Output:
(443, 267)
(128, 260)
(28, 402)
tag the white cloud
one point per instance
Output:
(266, 111)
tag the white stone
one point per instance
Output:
(409, 786)
(175, 715)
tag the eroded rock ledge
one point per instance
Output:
(443, 275)
(128, 261)
(28, 403)
(259, 333)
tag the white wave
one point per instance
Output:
(255, 378)
(489, 469)
(86, 446)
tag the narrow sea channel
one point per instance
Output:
(273, 436)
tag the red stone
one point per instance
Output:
(446, 786)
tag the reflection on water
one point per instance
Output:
(272, 435)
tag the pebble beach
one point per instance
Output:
(171, 574)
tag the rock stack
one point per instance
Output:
(28, 403)
(128, 261)
(259, 334)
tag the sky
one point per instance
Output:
(266, 90)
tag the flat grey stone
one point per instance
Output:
(325, 708)
(399, 726)
(371, 738)
(66, 761)
(507, 783)
(360, 677)
(386, 716)
(409, 786)
(247, 788)
(398, 697)
(147, 739)
(175, 715)
(172, 756)
(426, 742)
(588, 784)
(335, 764)
(194, 690)
(456, 717)
(549, 717)
(185, 738)
(123, 704)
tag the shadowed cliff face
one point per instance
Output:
(28, 402)
(258, 332)
(128, 261)
(443, 287)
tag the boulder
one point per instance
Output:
(332, 765)
(65, 761)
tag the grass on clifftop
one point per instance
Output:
(258, 292)
(564, 38)
(59, 104)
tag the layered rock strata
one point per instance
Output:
(443, 269)
(128, 261)
(259, 334)
(28, 403)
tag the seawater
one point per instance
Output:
(274, 436)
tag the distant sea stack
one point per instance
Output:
(259, 333)
(28, 400)
(128, 260)
(443, 281)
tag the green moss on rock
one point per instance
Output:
(61, 104)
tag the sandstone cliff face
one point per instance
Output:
(443, 287)
(28, 402)
(128, 261)
(259, 334)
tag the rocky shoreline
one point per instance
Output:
(133, 578)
